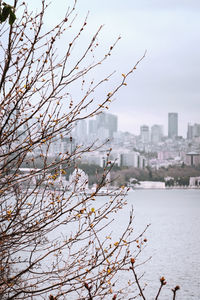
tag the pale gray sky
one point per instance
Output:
(168, 79)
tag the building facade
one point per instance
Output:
(172, 125)
(193, 131)
(108, 122)
(144, 134)
(156, 133)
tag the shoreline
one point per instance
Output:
(166, 188)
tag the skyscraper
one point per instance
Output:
(193, 131)
(196, 130)
(172, 125)
(144, 133)
(156, 133)
(107, 121)
(190, 131)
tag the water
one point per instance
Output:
(173, 239)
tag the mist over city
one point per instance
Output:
(151, 145)
(167, 80)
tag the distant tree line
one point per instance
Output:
(121, 175)
(180, 174)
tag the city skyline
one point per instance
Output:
(167, 79)
(182, 128)
(147, 132)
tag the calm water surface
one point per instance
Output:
(173, 239)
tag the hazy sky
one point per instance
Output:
(167, 80)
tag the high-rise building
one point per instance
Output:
(196, 130)
(156, 133)
(172, 125)
(189, 132)
(107, 121)
(144, 134)
(80, 131)
(193, 131)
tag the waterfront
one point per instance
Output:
(173, 239)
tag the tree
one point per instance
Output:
(35, 83)
(55, 240)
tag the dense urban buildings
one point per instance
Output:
(150, 148)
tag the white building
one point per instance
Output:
(132, 159)
(129, 159)
(194, 182)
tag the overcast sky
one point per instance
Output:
(167, 80)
